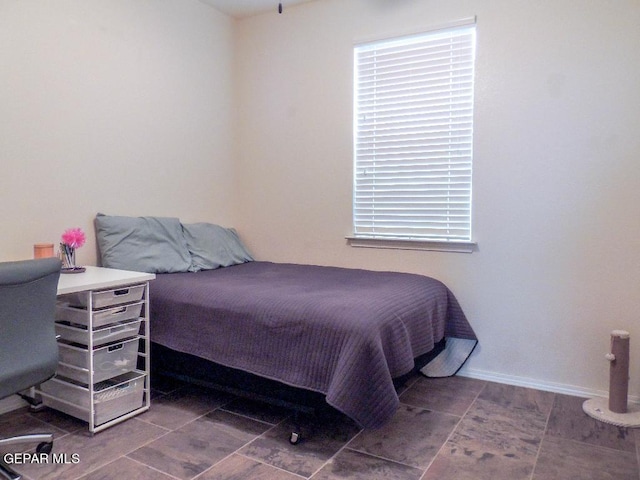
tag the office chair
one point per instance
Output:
(28, 347)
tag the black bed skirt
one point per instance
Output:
(192, 369)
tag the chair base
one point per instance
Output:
(7, 472)
(45, 443)
(30, 438)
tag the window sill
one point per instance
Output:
(406, 244)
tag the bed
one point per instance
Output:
(344, 333)
(344, 336)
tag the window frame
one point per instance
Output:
(376, 239)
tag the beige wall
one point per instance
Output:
(122, 107)
(129, 107)
(556, 172)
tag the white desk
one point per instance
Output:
(95, 278)
(115, 395)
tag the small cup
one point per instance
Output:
(43, 250)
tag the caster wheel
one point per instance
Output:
(44, 447)
(295, 438)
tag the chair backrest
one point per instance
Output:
(28, 347)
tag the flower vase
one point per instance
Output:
(68, 258)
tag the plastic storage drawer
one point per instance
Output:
(108, 361)
(105, 298)
(80, 316)
(112, 398)
(110, 333)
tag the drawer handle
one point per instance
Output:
(123, 291)
(124, 386)
(119, 310)
(113, 348)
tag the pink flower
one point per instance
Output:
(73, 237)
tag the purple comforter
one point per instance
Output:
(342, 332)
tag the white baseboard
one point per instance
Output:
(539, 385)
(11, 403)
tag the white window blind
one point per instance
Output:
(413, 136)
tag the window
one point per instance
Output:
(414, 136)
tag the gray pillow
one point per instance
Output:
(212, 246)
(144, 244)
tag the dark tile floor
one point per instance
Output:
(445, 429)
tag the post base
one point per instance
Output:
(598, 408)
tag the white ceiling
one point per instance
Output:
(245, 8)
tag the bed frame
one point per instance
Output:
(198, 371)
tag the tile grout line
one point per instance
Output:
(386, 459)
(390, 460)
(124, 455)
(151, 467)
(249, 417)
(236, 451)
(360, 432)
(272, 426)
(444, 444)
(215, 464)
(218, 408)
(544, 434)
(332, 457)
(267, 464)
